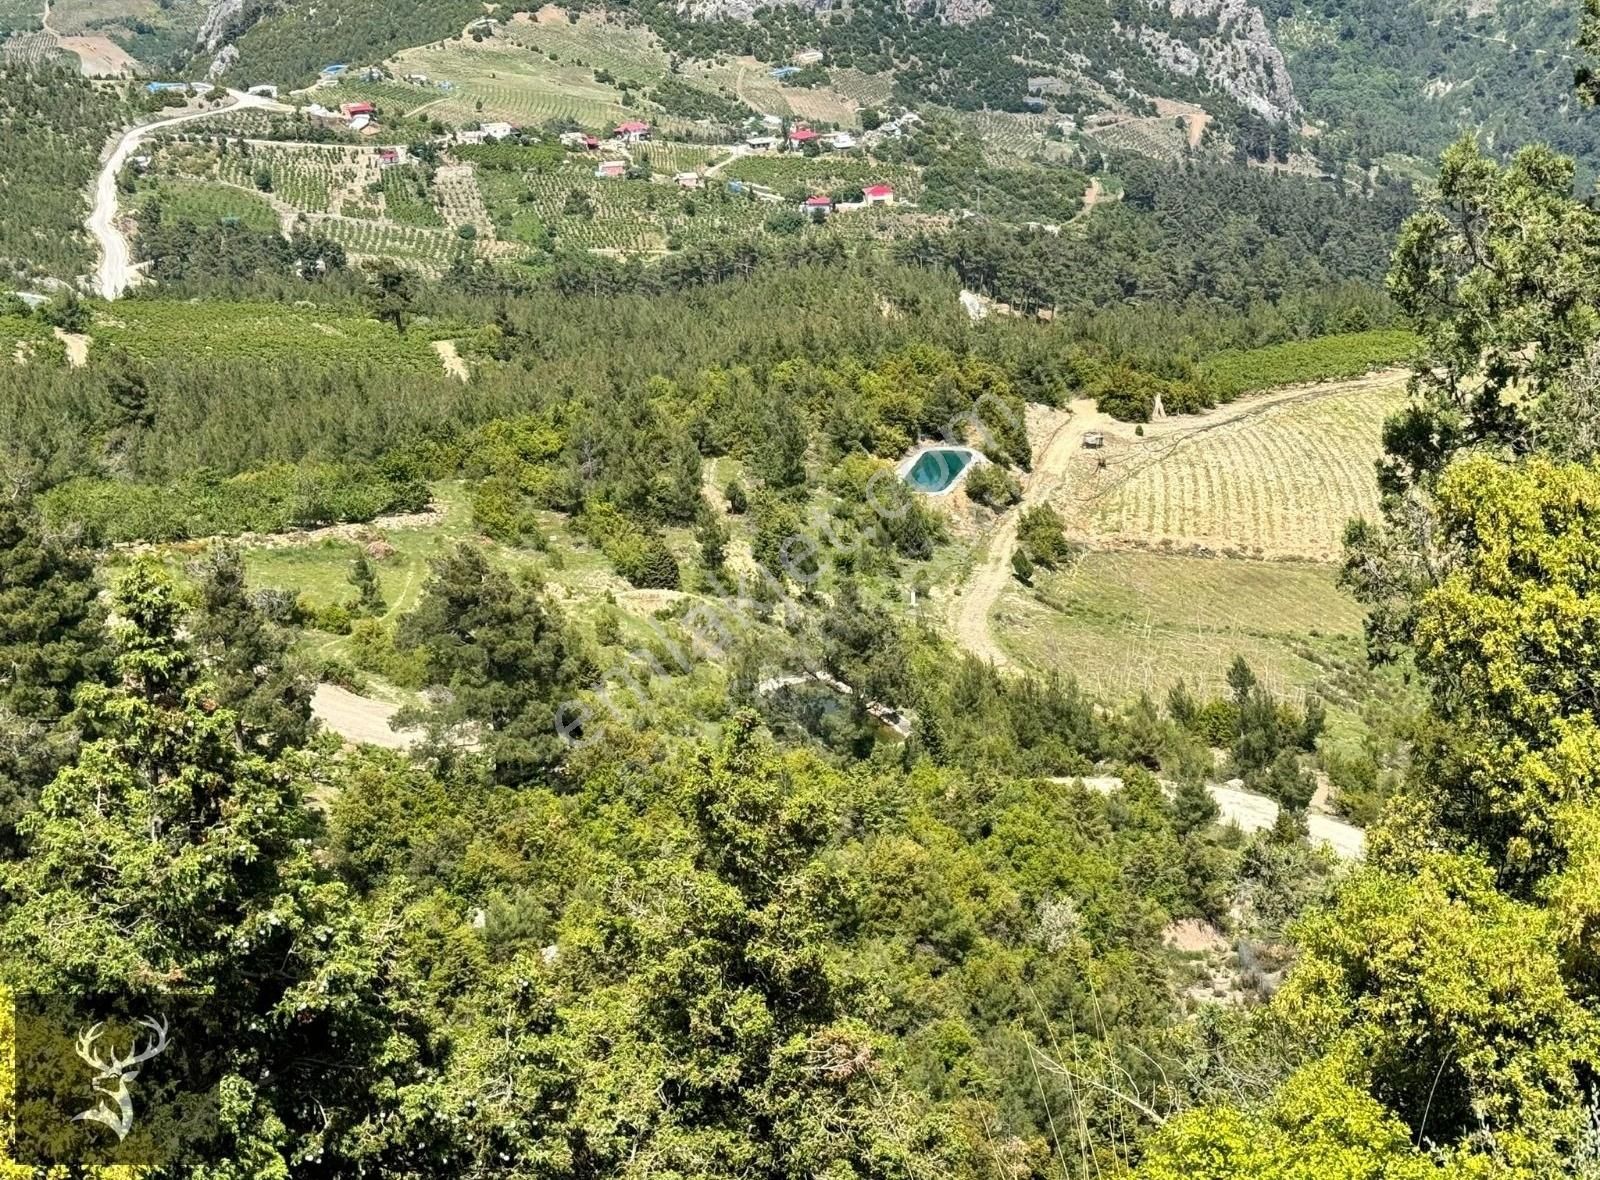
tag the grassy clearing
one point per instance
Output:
(1125, 623)
(574, 574)
(1279, 481)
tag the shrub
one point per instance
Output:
(636, 551)
(993, 486)
(1043, 534)
(1021, 566)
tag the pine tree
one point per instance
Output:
(246, 657)
(364, 577)
(712, 536)
(503, 656)
(51, 642)
(170, 867)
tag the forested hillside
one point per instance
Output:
(52, 124)
(1408, 78)
(1019, 602)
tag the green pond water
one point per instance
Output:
(936, 470)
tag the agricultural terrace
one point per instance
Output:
(752, 81)
(1125, 623)
(341, 192)
(1325, 358)
(270, 333)
(29, 49)
(570, 206)
(1009, 138)
(633, 55)
(629, 53)
(496, 80)
(1279, 479)
(1158, 138)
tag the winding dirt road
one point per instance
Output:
(116, 272)
(969, 610)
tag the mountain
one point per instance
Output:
(1354, 80)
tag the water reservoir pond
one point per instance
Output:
(936, 470)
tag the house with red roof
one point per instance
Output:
(817, 205)
(632, 131)
(351, 109)
(801, 136)
(878, 194)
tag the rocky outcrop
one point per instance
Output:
(950, 12)
(227, 57)
(226, 19)
(1239, 59)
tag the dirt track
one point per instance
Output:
(969, 610)
(117, 272)
(1062, 465)
(359, 719)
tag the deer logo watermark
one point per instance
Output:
(113, 1073)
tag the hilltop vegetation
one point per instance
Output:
(1409, 78)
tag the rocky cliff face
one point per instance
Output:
(1241, 58)
(226, 19)
(951, 12)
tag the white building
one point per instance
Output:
(498, 130)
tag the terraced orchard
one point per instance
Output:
(1276, 480)
(266, 333)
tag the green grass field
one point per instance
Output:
(1125, 623)
(206, 202)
